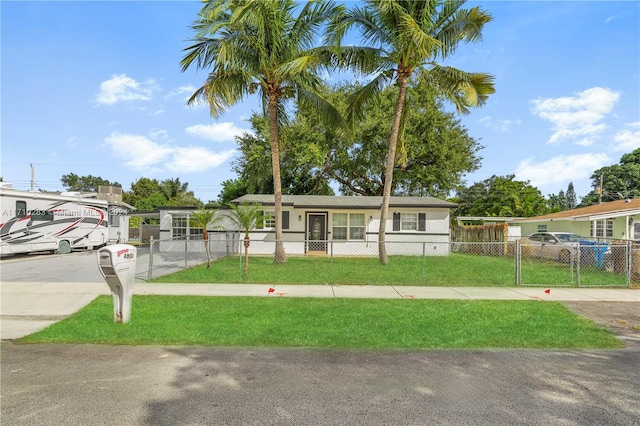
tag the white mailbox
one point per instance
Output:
(118, 267)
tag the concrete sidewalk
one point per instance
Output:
(27, 307)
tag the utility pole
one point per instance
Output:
(33, 183)
(600, 189)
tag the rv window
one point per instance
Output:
(41, 215)
(21, 209)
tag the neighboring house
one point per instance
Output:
(317, 224)
(612, 220)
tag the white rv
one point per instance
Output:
(40, 221)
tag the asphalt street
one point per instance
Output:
(149, 385)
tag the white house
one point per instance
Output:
(321, 225)
(349, 225)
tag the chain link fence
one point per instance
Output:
(411, 263)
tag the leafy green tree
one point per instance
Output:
(439, 150)
(246, 217)
(501, 196)
(89, 183)
(178, 194)
(144, 188)
(262, 47)
(299, 172)
(563, 200)
(619, 181)
(203, 219)
(149, 194)
(401, 37)
(557, 203)
(232, 189)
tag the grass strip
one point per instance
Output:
(453, 270)
(330, 323)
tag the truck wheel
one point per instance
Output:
(64, 247)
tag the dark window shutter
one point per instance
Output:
(260, 223)
(422, 221)
(396, 221)
(285, 220)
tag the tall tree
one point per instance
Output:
(89, 183)
(570, 197)
(177, 193)
(263, 47)
(557, 202)
(149, 194)
(619, 181)
(401, 37)
(300, 174)
(501, 196)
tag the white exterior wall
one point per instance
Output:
(398, 242)
(434, 241)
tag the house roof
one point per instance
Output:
(611, 209)
(351, 202)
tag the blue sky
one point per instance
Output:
(95, 88)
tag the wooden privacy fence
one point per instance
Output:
(464, 238)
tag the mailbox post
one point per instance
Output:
(118, 267)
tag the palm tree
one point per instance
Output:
(246, 217)
(261, 46)
(203, 219)
(401, 37)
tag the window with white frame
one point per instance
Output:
(348, 226)
(269, 219)
(604, 228)
(408, 221)
(542, 228)
(180, 227)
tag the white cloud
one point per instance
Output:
(148, 154)
(217, 132)
(628, 140)
(140, 151)
(120, 88)
(183, 93)
(500, 125)
(578, 116)
(561, 169)
(197, 159)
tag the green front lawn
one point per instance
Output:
(330, 323)
(456, 269)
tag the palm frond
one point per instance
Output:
(366, 96)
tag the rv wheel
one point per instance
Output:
(64, 247)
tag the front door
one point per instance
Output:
(317, 232)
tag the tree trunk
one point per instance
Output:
(247, 241)
(391, 161)
(280, 256)
(205, 236)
